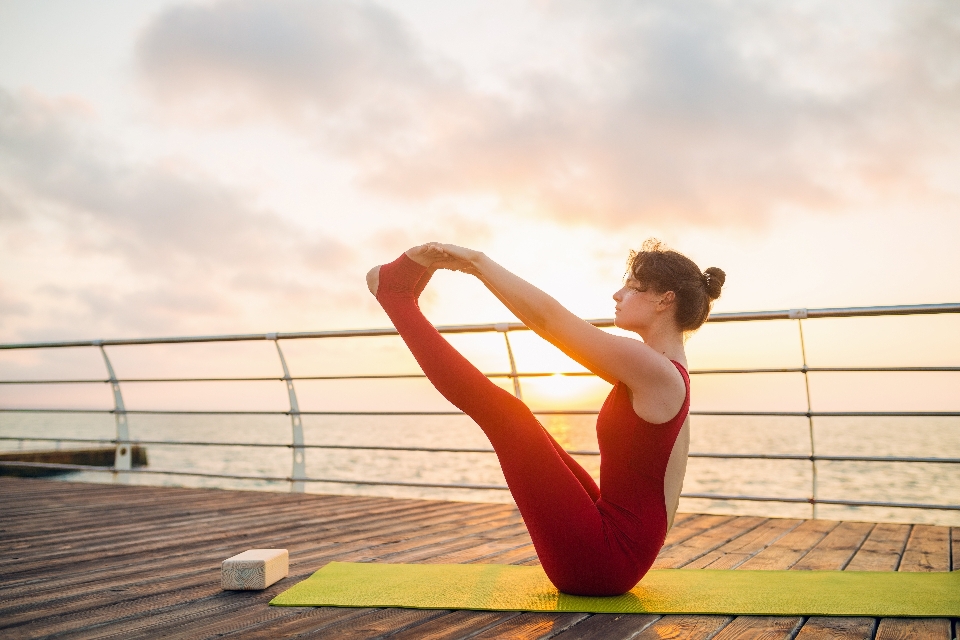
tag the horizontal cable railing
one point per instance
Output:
(743, 316)
(123, 443)
(534, 374)
(539, 412)
(575, 452)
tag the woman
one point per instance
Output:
(592, 541)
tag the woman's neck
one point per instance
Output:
(666, 340)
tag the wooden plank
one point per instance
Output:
(928, 549)
(176, 621)
(531, 626)
(96, 599)
(691, 527)
(205, 609)
(421, 547)
(760, 628)
(371, 625)
(264, 508)
(191, 530)
(692, 548)
(955, 548)
(243, 619)
(360, 540)
(215, 611)
(133, 614)
(128, 512)
(458, 624)
(836, 549)
(684, 627)
(72, 520)
(296, 620)
(177, 536)
(683, 517)
(771, 627)
(819, 628)
(204, 559)
(408, 512)
(140, 506)
(609, 626)
(742, 548)
(162, 520)
(478, 552)
(525, 554)
(171, 534)
(92, 603)
(146, 606)
(483, 550)
(913, 629)
(788, 550)
(882, 549)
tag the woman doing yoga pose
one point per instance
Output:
(594, 541)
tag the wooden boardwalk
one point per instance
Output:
(104, 561)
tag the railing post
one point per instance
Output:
(799, 315)
(122, 458)
(299, 469)
(503, 327)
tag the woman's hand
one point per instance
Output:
(461, 254)
(435, 255)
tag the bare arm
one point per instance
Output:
(543, 333)
(651, 377)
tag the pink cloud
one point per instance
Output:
(701, 113)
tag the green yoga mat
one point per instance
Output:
(512, 588)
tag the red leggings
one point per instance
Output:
(586, 546)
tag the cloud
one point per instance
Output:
(697, 112)
(120, 245)
(300, 60)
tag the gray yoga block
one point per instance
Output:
(254, 569)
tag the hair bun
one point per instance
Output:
(714, 278)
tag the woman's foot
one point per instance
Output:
(373, 280)
(424, 255)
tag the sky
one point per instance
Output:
(234, 166)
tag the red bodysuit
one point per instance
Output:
(591, 540)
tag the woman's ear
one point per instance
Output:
(666, 300)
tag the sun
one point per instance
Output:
(565, 391)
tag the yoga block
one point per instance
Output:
(254, 569)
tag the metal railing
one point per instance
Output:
(298, 447)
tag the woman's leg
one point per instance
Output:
(554, 494)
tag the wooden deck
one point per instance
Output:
(102, 561)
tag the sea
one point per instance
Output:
(860, 481)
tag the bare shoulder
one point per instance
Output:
(657, 388)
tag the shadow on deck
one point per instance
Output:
(99, 561)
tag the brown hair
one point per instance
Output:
(662, 269)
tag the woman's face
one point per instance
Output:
(636, 305)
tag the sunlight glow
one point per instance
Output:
(564, 391)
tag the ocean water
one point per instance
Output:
(899, 482)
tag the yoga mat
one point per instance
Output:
(514, 588)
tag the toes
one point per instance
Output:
(373, 279)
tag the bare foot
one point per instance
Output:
(373, 280)
(430, 255)
(424, 254)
